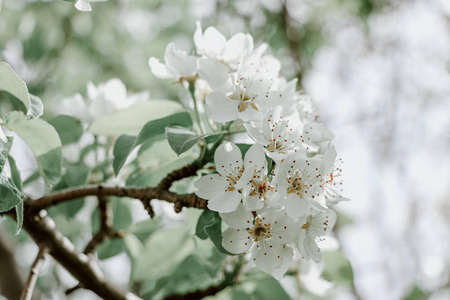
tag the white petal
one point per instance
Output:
(115, 91)
(216, 74)
(160, 70)
(184, 65)
(221, 108)
(246, 177)
(253, 203)
(240, 218)
(295, 206)
(285, 230)
(228, 159)
(213, 41)
(256, 156)
(267, 255)
(255, 134)
(236, 240)
(287, 256)
(225, 202)
(237, 47)
(209, 185)
(83, 5)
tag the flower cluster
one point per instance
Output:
(276, 199)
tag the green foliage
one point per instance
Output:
(210, 226)
(17, 181)
(161, 254)
(5, 147)
(417, 294)
(36, 107)
(75, 175)
(181, 139)
(125, 144)
(69, 129)
(10, 195)
(132, 119)
(337, 268)
(43, 141)
(12, 84)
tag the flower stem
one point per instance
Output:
(197, 116)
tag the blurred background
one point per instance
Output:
(378, 71)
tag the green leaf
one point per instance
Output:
(10, 196)
(36, 108)
(131, 120)
(417, 294)
(337, 268)
(162, 253)
(5, 147)
(75, 175)
(259, 286)
(181, 139)
(12, 84)
(125, 144)
(43, 141)
(17, 181)
(69, 129)
(210, 225)
(206, 219)
(123, 147)
(15, 173)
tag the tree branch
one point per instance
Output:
(145, 195)
(11, 281)
(41, 229)
(187, 171)
(27, 293)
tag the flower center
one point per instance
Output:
(297, 184)
(260, 231)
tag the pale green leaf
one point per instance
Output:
(19, 214)
(5, 147)
(163, 251)
(12, 84)
(43, 141)
(125, 144)
(181, 139)
(69, 129)
(122, 148)
(131, 120)
(10, 195)
(36, 107)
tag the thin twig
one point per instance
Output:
(106, 230)
(27, 293)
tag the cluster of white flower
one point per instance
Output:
(103, 99)
(276, 200)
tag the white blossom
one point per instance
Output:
(264, 234)
(315, 226)
(279, 135)
(101, 100)
(213, 44)
(299, 183)
(224, 190)
(178, 65)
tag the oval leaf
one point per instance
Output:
(12, 84)
(43, 141)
